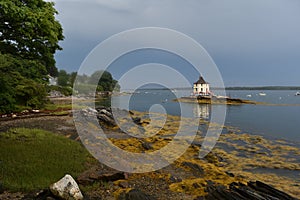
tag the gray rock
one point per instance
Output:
(99, 174)
(137, 120)
(239, 191)
(106, 119)
(91, 110)
(105, 112)
(196, 169)
(147, 146)
(66, 188)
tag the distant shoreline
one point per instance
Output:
(233, 88)
(265, 88)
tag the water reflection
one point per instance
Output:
(202, 111)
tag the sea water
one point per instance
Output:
(278, 118)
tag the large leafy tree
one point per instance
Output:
(29, 36)
(28, 29)
(16, 90)
(106, 81)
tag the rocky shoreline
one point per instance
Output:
(215, 100)
(226, 172)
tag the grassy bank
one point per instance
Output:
(32, 159)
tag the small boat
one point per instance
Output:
(249, 95)
(297, 94)
(262, 94)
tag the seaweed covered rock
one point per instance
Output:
(253, 190)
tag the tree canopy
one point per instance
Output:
(85, 83)
(63, 78)
(29, 36)
(28, 29)
(106, 81)
(17, 90)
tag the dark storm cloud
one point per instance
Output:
(253, 42)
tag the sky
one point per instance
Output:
(253, 42)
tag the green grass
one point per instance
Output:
(32, 159)
(99, 185)
(53, 107)
(57, 107)
(60, 113)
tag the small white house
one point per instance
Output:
(201, 87)
(52, 80)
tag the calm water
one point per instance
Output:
(277, 121)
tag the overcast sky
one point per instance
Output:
(252, 42)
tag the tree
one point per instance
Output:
(106, 81)
(28, 29)
(16, 90)
(72, 78)
(82, 78)
(63, 78)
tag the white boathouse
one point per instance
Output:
(201, 88)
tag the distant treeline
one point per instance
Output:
(265, 88)
(235, 88)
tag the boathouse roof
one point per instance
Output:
(201, 81)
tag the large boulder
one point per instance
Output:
(66, 188)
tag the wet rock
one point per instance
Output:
(66, 188)
(105, 115)
(145, 123)
(106, 112)
(267, 189)
(137, 120)
(97, 174)
(91, 110)
(253, 190)
(196, 185)
(135, 194)
(194, 167)
(230, 174)
(213, 158)
(147, 146)
(106, 119)
(130, 112)
(174, 179)
(124, 184)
